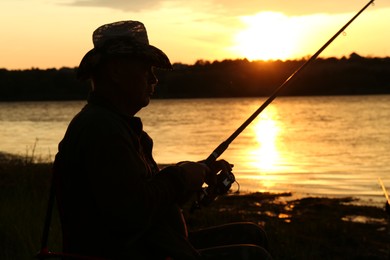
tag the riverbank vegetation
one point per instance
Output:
(354, 75)
(306, 228)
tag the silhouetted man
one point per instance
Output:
(114, 200)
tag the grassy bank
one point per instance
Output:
(24, 190)
(307, 228)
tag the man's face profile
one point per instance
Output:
(134, 81)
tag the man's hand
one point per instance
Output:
(197, 173)
(215, 168)
(194, 174)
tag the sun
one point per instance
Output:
(268, 36)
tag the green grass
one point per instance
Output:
(308, 228)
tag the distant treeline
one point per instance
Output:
(354, 75)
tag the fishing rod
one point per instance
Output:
(224, 145)
(224, 180)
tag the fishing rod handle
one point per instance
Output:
(216, 153)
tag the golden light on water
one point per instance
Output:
(265, 152)
(265, 155)
(269, 161)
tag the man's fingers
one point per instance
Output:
(222, 165)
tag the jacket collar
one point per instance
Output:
(134, 122)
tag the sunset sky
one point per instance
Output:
(57, 33)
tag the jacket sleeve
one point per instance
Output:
(119, 183)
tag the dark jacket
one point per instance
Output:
(114, 201)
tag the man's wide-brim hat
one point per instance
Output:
(125, 38)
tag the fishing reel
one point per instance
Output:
(207, 195)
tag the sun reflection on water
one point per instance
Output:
(265, 156)
(265, 153)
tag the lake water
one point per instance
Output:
(319, 146)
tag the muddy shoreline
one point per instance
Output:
(306, 228)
